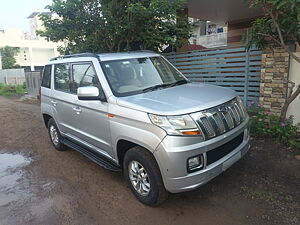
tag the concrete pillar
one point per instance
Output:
(31, 58)
(274, 75)
(294, 77)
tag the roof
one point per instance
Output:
(222, 11)
(34, 14)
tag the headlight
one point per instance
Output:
(176, 125)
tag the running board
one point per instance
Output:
(90, 154)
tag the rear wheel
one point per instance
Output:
(143, 176)
(55, 136)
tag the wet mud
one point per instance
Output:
(41, 186)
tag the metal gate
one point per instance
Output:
(33, 82)
(233, 67)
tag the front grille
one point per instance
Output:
(221, 151)
(220, 119)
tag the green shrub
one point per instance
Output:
(20, 89)
(11, 90)
(266, 124)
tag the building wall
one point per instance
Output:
(33, 52)
(12, 76)
(236, 29)
(294, 76)
(40, 56)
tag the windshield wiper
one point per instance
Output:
(179, 82)
(155, 87)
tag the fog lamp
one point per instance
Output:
(195, 163)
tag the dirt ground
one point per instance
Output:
(40, 186)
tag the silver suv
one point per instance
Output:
(136, 113)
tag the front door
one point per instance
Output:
(92, 121)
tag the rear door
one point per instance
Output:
(63, 101)
(46, 93)
(92, 118)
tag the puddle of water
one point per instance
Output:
(8, 161)
(26, 198)
(7, 198)
(10, 172)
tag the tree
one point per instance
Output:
(115, 25)
(280, 27)
(8, 57)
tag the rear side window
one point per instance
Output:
(84, 75)
(62, 77)
(46, 81)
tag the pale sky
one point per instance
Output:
(14, 13)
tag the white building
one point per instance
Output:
(208, 34)
(35, 51)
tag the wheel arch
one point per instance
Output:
(46, 118)
(124, 145)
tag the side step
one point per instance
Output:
(92, 155)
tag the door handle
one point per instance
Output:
(54, 103)
(77, 110)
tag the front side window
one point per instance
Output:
(62, 77)
(84, 75)
(46, 81)
(135, 76)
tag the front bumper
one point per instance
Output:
(173, 152)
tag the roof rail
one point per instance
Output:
(76, 56)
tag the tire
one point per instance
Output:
(57, 143)
(153, 183)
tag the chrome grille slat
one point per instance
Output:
(238, 117)
(230, 120)
(236, 108)
(234, 115)
(241, 111)
(225, 122)
(208, 127)
(203, 129)
(214, 124)
(220, 123)
(220, 119)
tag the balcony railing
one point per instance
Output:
(211, 40)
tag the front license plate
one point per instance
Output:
(231, 161)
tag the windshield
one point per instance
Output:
(135, 76)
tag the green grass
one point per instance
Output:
(12, 90)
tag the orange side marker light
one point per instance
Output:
(111, 115)
(191, 132)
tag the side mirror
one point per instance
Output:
(89, 93)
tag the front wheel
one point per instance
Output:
(143, 176)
